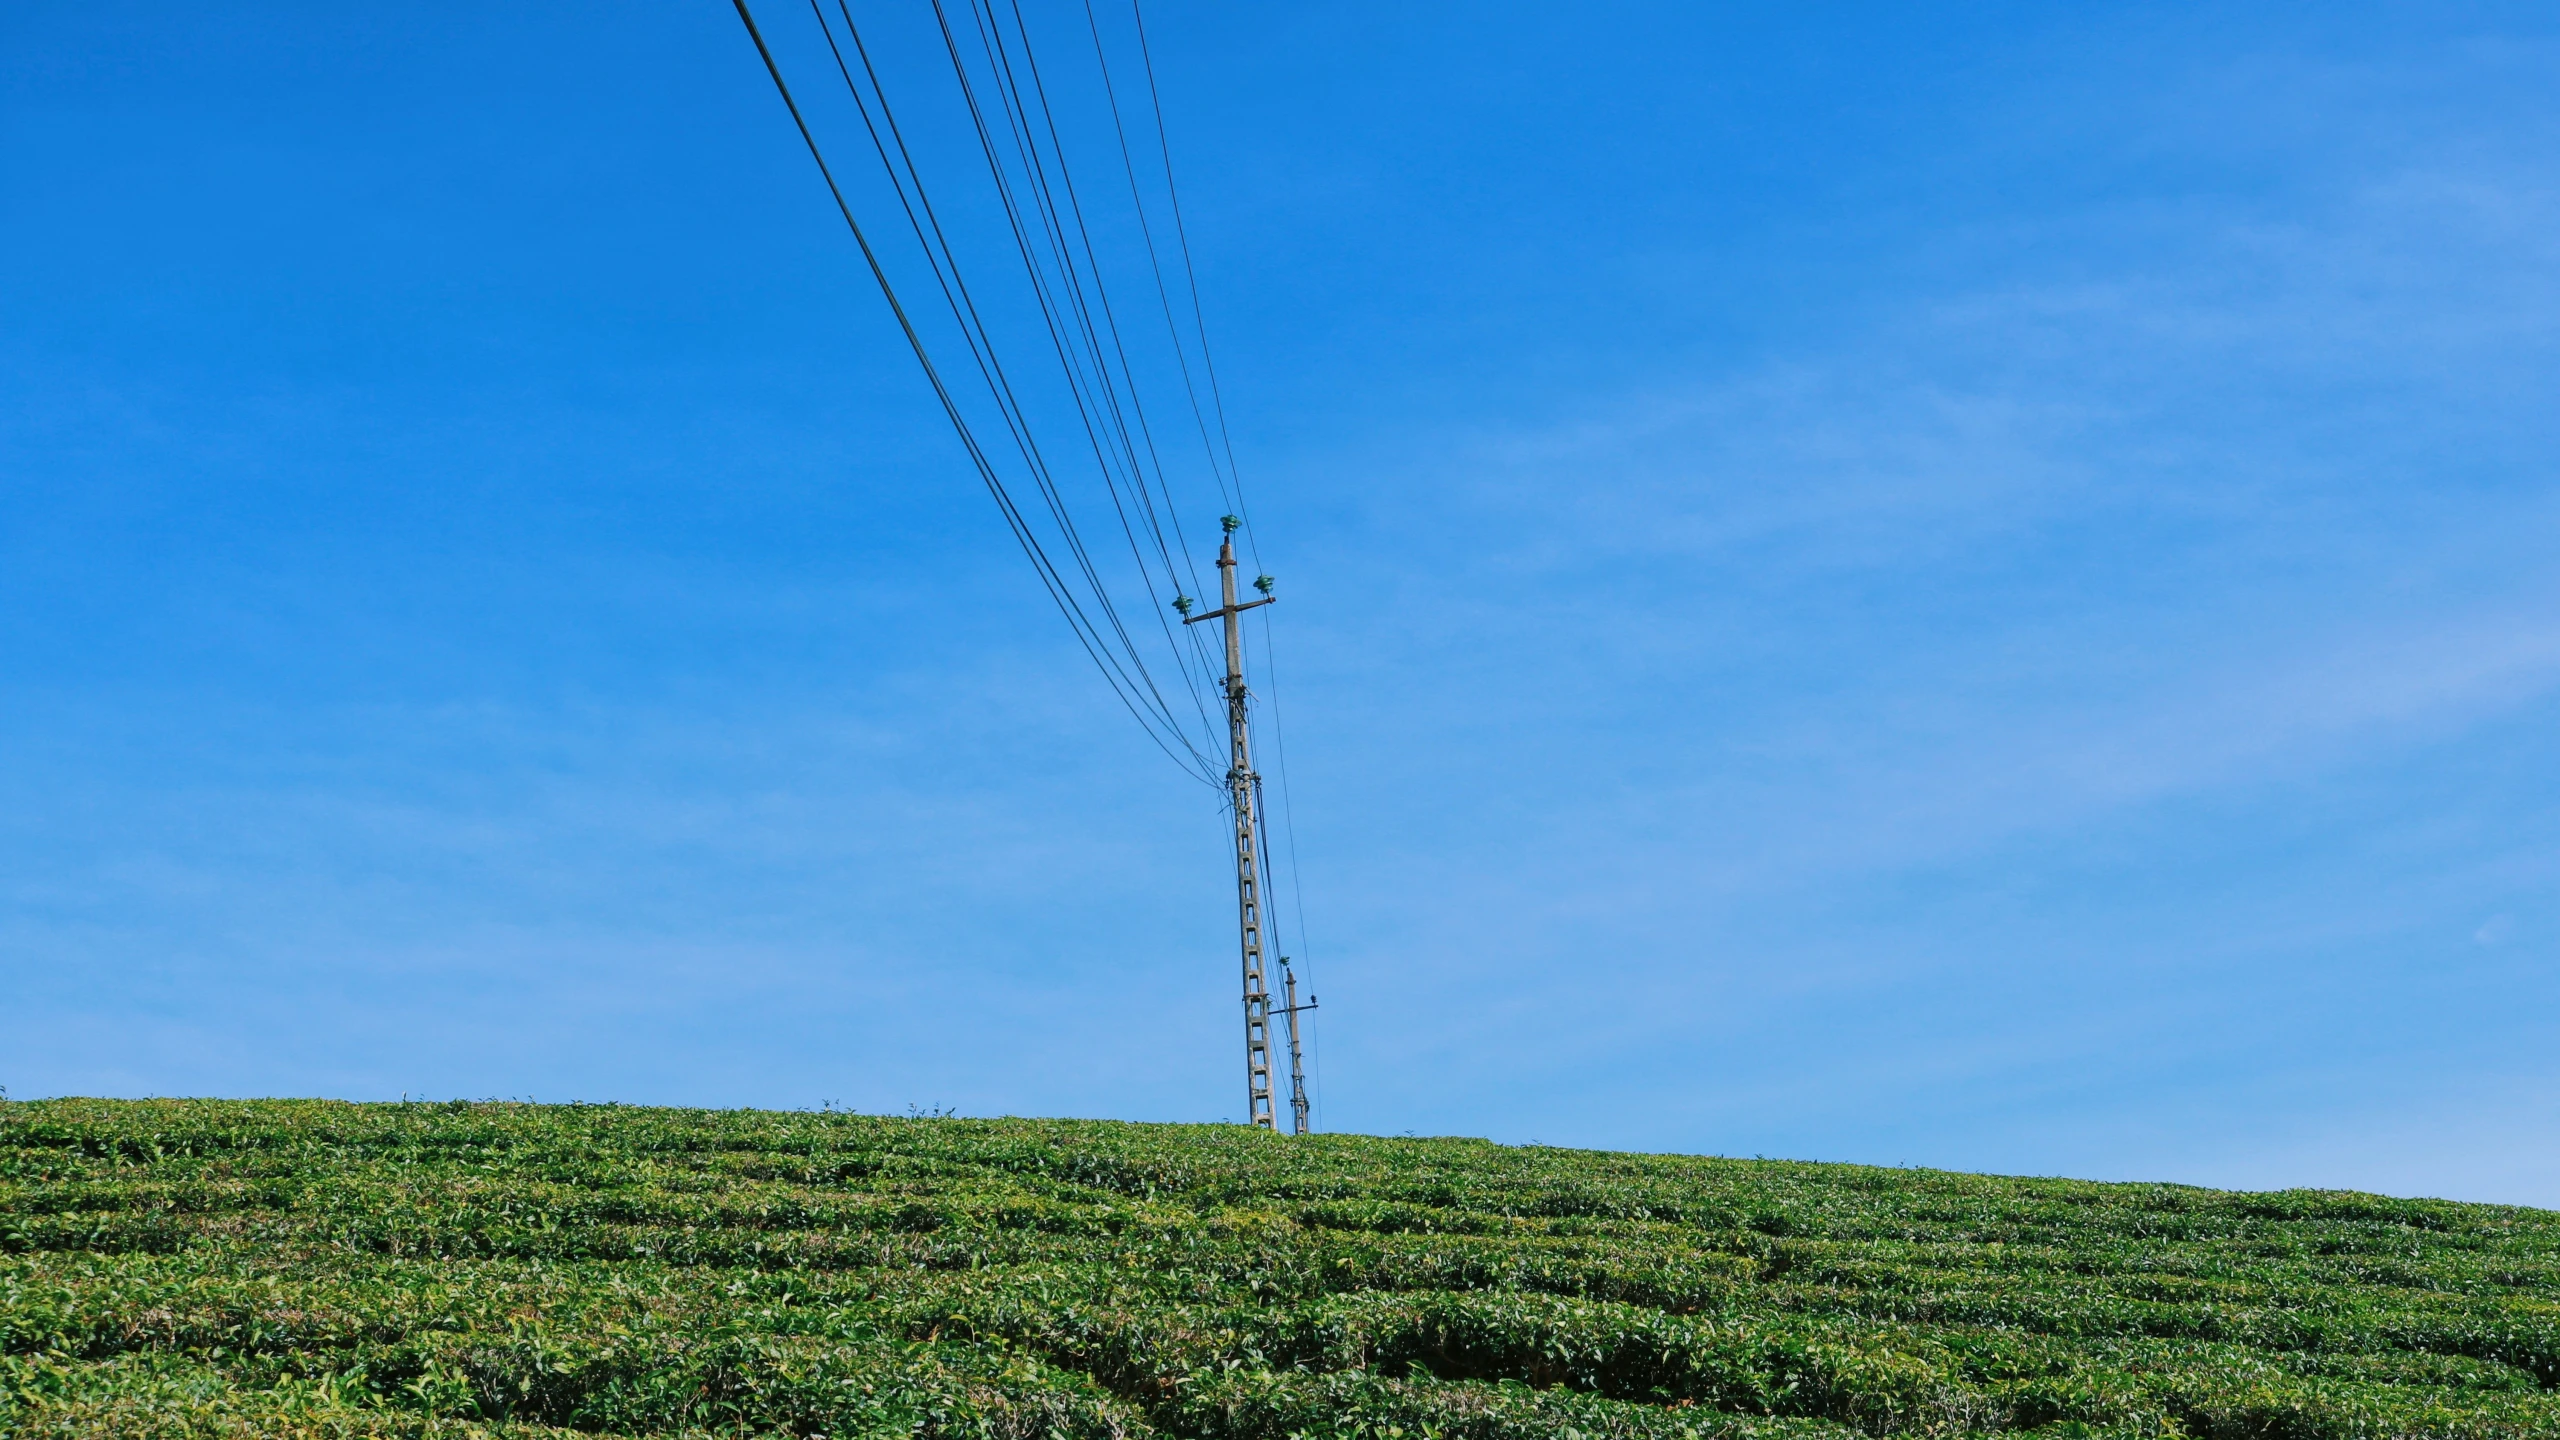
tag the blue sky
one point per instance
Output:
(1968, 589)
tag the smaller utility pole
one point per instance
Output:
(1297, 1063)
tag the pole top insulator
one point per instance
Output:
(1229, 523)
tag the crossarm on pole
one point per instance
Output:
(1227, 610)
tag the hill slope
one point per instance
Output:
(310, 1268)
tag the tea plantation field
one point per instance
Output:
(196, 1268)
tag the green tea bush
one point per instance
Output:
(189, 1269)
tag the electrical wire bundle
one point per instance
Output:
(1088, 358)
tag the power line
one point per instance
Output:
(1102, 294)
(965, 314)
(956, 295)
(1087, 634)
(1009, 90)
(1044, 291)
(1155, 263)
(1191, 276)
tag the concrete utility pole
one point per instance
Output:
(1297, 1064)
(1244, 795)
